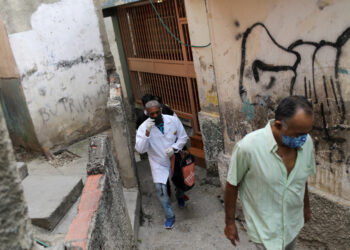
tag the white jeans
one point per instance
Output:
(290, 246)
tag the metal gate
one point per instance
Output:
(158, 64)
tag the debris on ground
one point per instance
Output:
(63, 157)
(25, 155)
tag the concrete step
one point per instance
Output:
(50, 197)
(196, 141)
(22, 170)
(198, 156)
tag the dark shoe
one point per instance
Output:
(169, 223)
(181, 202)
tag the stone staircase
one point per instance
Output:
(53, 194)
(48, 197)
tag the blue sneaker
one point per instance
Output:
(169, 223)
(181, 202)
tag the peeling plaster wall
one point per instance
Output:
(266, 50)
(202, 57)
(12, 99)
(15, 227)
(61, 63)
(209, 118)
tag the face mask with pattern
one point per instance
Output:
(158, 120)
(294, 142)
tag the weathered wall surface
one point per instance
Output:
(59, 53)
(122, 143)
(102, 221)
(12, 99)
(15, 226)
(265, 51)
(209, 117)
(114, 49)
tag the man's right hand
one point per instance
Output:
(231, 233)
(150, 124)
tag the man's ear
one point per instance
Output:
(278, 124)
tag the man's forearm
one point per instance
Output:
(231, 194)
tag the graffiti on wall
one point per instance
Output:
(72, 106)
(311, 83)
(317, 70)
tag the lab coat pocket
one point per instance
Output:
(171, 136)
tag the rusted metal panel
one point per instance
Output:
(162, 67)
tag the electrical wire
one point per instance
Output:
(172, 34)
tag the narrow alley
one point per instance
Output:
(103, 101)
(199, 225)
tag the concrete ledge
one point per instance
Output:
(213, 140)
(329, 227)
(50, 197)
(102, 221)
(22, 170)
(78, 233)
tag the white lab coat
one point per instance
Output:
(157, 143)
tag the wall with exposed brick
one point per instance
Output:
(102, 221)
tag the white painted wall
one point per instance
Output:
(61, 61)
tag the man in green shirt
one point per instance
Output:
(269, 168)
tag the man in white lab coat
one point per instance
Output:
(160, 136)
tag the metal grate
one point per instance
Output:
(181, 8)
(158, 64)
(172, 89)
(195, 93)
(145, 37)
(187, 41)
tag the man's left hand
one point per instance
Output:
(169, 152)
(307, 214)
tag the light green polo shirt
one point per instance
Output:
(272, 202)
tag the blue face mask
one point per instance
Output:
(294, 142)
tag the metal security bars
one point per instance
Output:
(159, 64)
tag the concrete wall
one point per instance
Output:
(102, 221)
(209, 117)
(12, 99)
(114, 49)
(59, 52)
(15, 226)
(264, 51)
